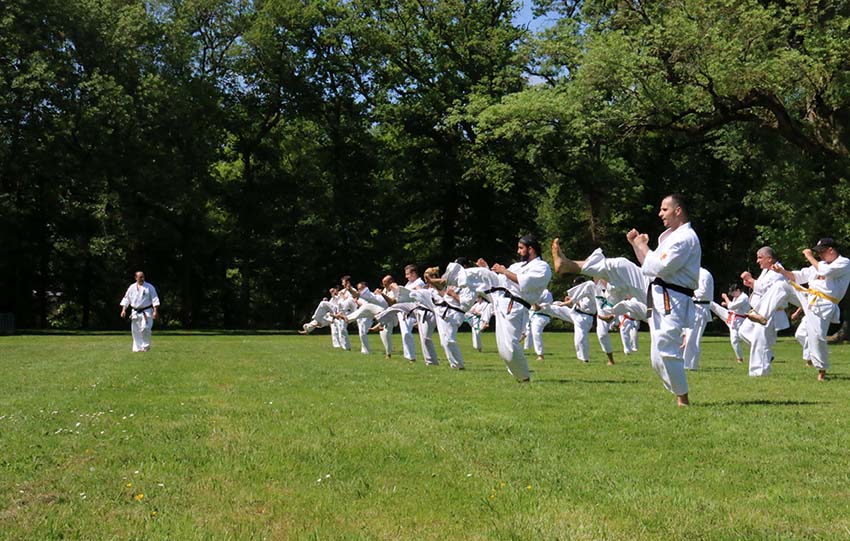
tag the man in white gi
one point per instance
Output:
(537, 321)
(322, 317)
(343, 304)
(406, 321)
(450, 303)
(673, 268)
(703, 295)
(761, 335)
(143, 302)
(361, 295)
(828, 280)
(512, 291)
(733, 311)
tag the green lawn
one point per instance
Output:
(213, 436)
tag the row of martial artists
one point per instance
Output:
(435, 306)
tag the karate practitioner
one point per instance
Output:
(733, 311)
(673, 268)
(343, 304)
(761, 335)
(512, 291)
(362, 295)
(322, 317)
(406, 321)
(143, 302)
(537, 321)
(450, 302)
(478, 318)
(604, 318)
(828, 277)
(703, 295)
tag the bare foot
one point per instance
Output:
(540, 357)
(821, 375)
(562, 264)
(682, 400)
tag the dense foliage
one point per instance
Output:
(245, 154)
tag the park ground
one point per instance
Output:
(277, 436)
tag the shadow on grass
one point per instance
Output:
(591, 381)
(762, 403)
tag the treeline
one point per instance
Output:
(245, 154)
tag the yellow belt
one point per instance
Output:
(815, 293)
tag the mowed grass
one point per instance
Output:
(214, 436)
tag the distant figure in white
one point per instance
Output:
(143, 302)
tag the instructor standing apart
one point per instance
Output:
(673, 269)
(143, 302)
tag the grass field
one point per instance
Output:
(216, 436)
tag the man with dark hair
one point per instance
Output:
(143, 301)
(513, 290)
(673, 268)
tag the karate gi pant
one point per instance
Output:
(629, 334)
(802, 335)
(734, 322)
(816, 325)
(534, 335)
(693, 336)
(617, 271)
(582, 324)
(320, 317)
(447, 328)
(363, 324)
(427, 325)
(386, 335)
(604, 337)
(339, 334)
(509, 327)
(475, 326)
(761, 339)
(666, 334)
(408, 342)
(141, 325)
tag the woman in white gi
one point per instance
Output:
(143, 302)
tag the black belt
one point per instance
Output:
(511, 296)
(665, 286)
(141, 309)
(584, 313)
(701, 302)
(446, 307)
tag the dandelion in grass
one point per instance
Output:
(528, 487)
(129, 485)
(153, 514)
(139, 497)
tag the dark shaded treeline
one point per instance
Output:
(246, 154)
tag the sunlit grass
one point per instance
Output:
(282, 437)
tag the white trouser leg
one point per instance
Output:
(476, 335)
(408, 343)
(387, 338)
(538, 323)
(603, 336)
(509, 328)
(761, 339)
(426, 334)
(363, 325)
(448, 338)
(666, 356)
(801, 334)
(693, 337)
(735, 340)
(581, 338)
(617, 271)
(816, 329)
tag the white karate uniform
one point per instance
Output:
(603, 307)
(477, 317)
(141, 321)
(512, 316)
(827, 286)
(761, 338)
(406, 322)
(676, 260)
(537, 321)
(364, 321)
(703, 295)
(449, 315)
(583, 314)
(734, 314)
